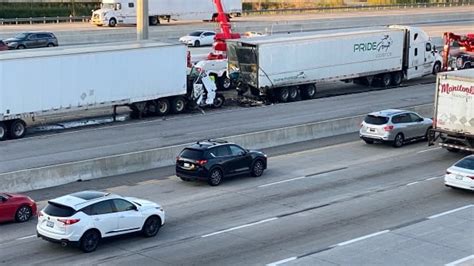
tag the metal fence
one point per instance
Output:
(72, 19)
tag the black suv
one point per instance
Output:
(32, 40)
(214, 160)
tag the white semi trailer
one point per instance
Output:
(116, 12)
(149, 77)
(453, 124)
(287, 67)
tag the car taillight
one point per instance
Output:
(68, 221)
(388, 128)
(40, 214)
(201, 162)
(471, 177)
(448, 173)
(177, 158)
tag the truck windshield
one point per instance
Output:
(107, 5)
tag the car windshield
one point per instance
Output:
(108, 6)
(59, 210)
(376, 120)
(195, 33)
(21, 36)
(4, 195)
(191, 154)
(466, 163)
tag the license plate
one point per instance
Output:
(50, 224)
(372, 129)
(459, 177)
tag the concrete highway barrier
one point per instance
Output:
(54, 175)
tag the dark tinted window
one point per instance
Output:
(1, 42)
(32, 37)
(376, 120)
(191, 154)
(415, 118)
(467, 163)
(236, 150)
(88, 195)
(130, 5)
(102, 207)
(58, 210)
(222, 151)
(195, 33)
(123, 205)
(403, 118)
(209, 34)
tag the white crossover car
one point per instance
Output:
(461, 174)
(84, 218)
(199, 38)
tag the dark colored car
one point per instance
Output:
(3, 46)
(214, 160)
(15, 207)
(32, 40)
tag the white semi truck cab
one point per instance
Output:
(113, 12)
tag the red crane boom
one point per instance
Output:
(219, 46)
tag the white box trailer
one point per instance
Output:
(115, 12)
(453, 119)
(282, 67)
(149, 77)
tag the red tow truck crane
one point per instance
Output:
(458, 51)
(219, 46)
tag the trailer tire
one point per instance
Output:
(178, 105)
(386, 80)
(162, 107)
(112, 22)
(293, 93)
(283, 94)
(224, 83)
(308, 92)
(3, 131)
(17, 129)
(397, 78)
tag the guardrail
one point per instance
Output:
(72, 19)
(44, 20)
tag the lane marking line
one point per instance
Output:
(433, 149)
(433, 178)
(459, 261)
(25, 237)
(449, 212)
(281, 261)
(281, 182)
(240, 227)
(362, 238)
(412, 183)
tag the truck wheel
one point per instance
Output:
(162, 107)
(153, 20)
(283, 94)
(112, 22)
(386, 80)
(224, 82)
(3, 131)
(17, 129)
(436, 68)
(397, 78)
(219, 101)
(178, 105)
(293, 94)
(308, 92)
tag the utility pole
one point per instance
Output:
(142, 20)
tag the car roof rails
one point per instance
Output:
(218, 141)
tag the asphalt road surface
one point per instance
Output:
(335, 201)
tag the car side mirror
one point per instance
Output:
(242, 153)
(421, 119)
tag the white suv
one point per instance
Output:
(83, 218)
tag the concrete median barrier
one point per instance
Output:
(54, 175)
